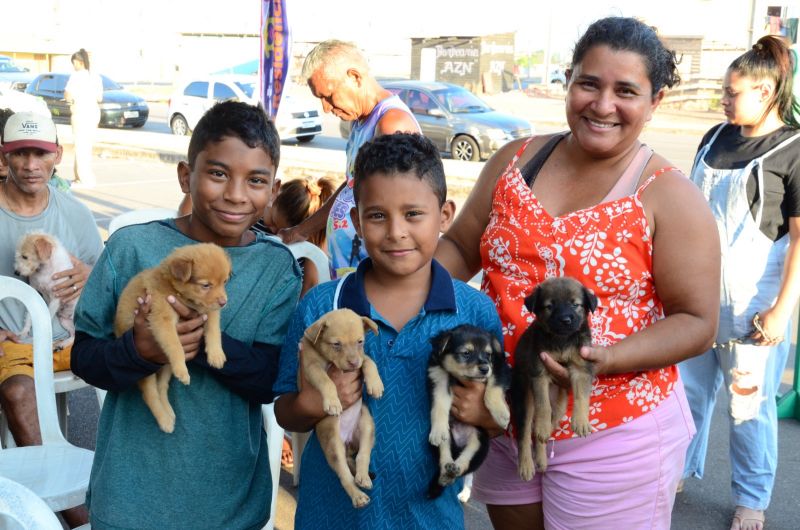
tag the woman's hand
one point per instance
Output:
(601, 357)
(72, 280)
(189, 329)
(769, 326)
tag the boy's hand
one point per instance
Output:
(72, 282)
(348, 388)
(7, 336)
(469, 407)
(189, 327)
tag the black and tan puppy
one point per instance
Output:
(346, 436)
(464, 353)
(561, 328)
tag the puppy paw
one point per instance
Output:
(167, 424)
(502, 417)
(541, 463)
(332, 407)
(360, 499)
(526, 470)
(453, 470)
(581, 426)
(216, 357)
(375, 388)
(542, 431)
(439, 436)
(364, 481)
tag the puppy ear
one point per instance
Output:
(496, 346)
(439, 344)
(589, 300)
(315, 330)
(44, 249)
(531, 299)
(370, 325)
(181, 269)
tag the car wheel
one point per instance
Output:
(305, 138)
(179, 126)
(465, 148)
(139, 125)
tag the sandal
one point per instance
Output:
(287, 456)
(747, 519)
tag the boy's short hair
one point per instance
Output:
(400, 152)
(249, 123)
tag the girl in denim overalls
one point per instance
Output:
(754, 191)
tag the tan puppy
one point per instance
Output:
(338, 338)
(195, 275)
(561, 328)
(38, 256)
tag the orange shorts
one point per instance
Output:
(18, 360)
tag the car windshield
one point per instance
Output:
(108, 84)
(460, 101)
(248, 87)
(8, 66)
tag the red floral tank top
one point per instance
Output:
(608, 247)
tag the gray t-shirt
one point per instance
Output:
(64, 217)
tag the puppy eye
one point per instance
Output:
(360, 342)
(205, 285)
(548, 307)
(336, 345)
(24, 256)
(576, 305)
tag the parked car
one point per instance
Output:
(456, 120)
(193, 98)
(119, 107)
(21, 102)
(13, 75)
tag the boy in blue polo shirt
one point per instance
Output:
(213, 470)
(401, 207)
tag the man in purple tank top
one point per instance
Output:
(337, 73)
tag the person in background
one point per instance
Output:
(84, 91)
(4, 115)
(28, 202)
(596, 204)
(337, 73)
(748, 169)
(297, 200)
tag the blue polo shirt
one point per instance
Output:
(402, 459)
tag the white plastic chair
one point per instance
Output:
(135, 217)
(56, 471)
(274, 432)
(21, 509)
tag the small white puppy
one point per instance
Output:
(38, 257)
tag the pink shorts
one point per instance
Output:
(625, 477)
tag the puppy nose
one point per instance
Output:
(484, 369)
(222, 302)
(566, 319)
(353, 363)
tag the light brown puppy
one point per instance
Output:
(562, 307)
(196, 275)
(338, 338)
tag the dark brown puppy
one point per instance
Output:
(461, 354)
(561, 328)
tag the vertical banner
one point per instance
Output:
(273, 68)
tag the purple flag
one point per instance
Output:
(274, 65)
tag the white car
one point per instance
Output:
(22, 102)
(187, 105)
